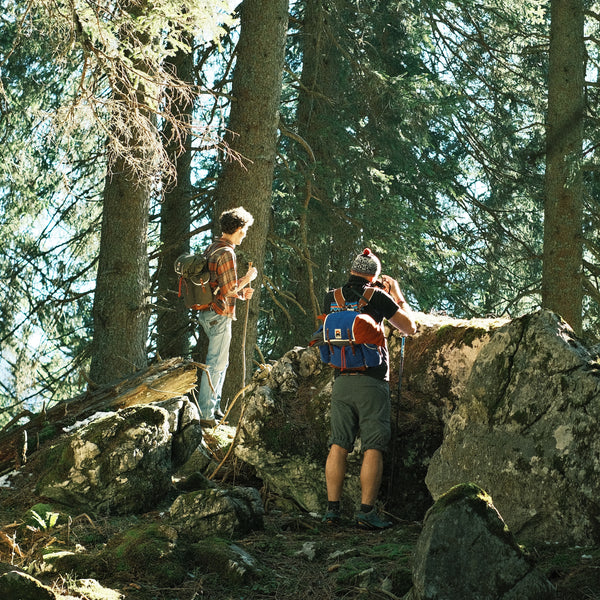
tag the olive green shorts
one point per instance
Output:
(360, 405)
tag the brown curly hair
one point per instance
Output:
(231, 220)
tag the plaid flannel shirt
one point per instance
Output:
(223, 274)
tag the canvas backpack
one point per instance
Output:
(194, 280)
(349, 339)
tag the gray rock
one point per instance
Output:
(525, 430)
(122, 462)
(465, 551)
(184, 425)
(220, 512)
(285, 428)
(92, 590)
(118, 464)
(20, 586)
(228, 560)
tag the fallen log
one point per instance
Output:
(160, 381)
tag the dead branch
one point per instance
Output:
(160, 381)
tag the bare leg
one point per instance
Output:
(371, 473)
(335, 470)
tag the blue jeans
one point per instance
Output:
(218, 329)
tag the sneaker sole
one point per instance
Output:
(370, 527)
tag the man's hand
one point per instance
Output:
(247, 293)
(245, 280)
(392, 287)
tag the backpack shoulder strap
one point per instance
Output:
(363, 299)
(208, 253)
(339, 297)
(366, 297)
(212, 249)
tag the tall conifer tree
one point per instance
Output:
(253, 122)
(562, 282)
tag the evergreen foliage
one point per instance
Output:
(58, 64)
(414, 128)
(48, 225)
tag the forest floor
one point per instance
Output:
(297, 558)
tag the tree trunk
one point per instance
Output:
(253, 122)
(323, 79)
(562, 284)
(175, 221)
(121, 309)
(316, 108)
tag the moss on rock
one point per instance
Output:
(221, 557)
(149, 551)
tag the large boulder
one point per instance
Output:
(121, 462)
(525, 431)
(508, 404)
(117, 464)
(434, 366)
(285, 427)
(465, 551)
(440, 357)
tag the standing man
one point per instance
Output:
(360, 401)
(217, 319)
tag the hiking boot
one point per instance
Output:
(332, 517)
(219, 416)
(371, 520)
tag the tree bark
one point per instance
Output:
(121, 308)
(253, 124)
(320, 122)
(172, 317)
(317, 113)
(562, 284)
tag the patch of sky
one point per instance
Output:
(5, 479)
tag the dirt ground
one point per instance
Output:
(296, 556)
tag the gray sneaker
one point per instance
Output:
(371, 520)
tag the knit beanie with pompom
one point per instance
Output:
(366, 263)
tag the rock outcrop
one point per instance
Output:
(286, 424)
(285, 429)
(121, 462)
(524, 430)
(465, 551)
(222, 512)
(509, 405)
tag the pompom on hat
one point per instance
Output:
(366, 263)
